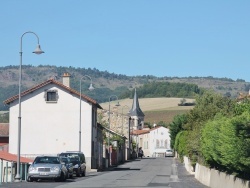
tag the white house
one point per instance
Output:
(154, 142)
(50, 121)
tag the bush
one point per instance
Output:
(181, 144)
(225, 144)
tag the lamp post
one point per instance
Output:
(122, 117)
(37, 51)
(80, 117)
(112, 96)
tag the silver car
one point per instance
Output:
(47, 167)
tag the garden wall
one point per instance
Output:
(214, 178)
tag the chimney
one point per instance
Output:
(66, 79)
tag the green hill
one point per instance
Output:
(108, 84)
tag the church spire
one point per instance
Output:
(136, 110)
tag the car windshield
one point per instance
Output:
(74, 159)
(65, 160)
(50, 160)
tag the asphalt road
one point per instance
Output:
(147, 172)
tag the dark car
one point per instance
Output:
(69, 166)
(47, 167)
(78, 161)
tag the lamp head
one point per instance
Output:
(38, 50)
(91, 88)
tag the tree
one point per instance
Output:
(176, 126)
(208, 105)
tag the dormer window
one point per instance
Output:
(51, 95)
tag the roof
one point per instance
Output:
(4, 129)
(139, 132)
(13, 158)
(143, 131)
(136, 110)
(52, 81)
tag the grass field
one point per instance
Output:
(155, 109)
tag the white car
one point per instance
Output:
(169, 153)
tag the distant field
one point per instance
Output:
(164, 115)
(155, 109)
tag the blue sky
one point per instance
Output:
(132, 37)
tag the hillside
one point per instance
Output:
(106, 83)
(155, 109)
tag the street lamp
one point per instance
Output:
(122, 117)
(37, 51)
(80, 120)
(109, 124)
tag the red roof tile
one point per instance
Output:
(11, 157)
(139, 132)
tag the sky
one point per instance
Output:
(132, 37)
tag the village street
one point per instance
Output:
(146, 172)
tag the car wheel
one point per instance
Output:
(78, 173)
(29, 179)
(84, 173)
(61, 178)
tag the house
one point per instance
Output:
(8, 166)
(50, 121)
(154, 142)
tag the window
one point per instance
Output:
(51, 95)
(157, 143)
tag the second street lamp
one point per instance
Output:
(80, 118)
(37, 51)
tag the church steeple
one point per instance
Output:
(136, 110)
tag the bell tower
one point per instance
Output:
(136, 114)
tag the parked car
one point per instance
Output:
(169, 153)
(78, 160)
(47, 167)
(69, 166)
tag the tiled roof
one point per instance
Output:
(11, 157)
(139, 132)
(4, 129)
(51, 81)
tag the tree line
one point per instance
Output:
(165, 89)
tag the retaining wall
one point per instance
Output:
(214, 178)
